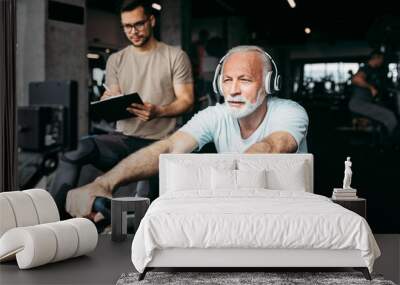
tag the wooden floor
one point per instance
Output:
(110, 259)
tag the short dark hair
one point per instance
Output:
(133, 4)
(376, 53)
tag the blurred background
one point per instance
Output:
(63, 47)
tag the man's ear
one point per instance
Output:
(153, 21)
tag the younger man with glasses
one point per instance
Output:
(162, 76)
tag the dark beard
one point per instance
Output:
(145, 40)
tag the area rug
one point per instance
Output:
(242, 278)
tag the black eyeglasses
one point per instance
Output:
(138, 26)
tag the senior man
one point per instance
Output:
(250, 121)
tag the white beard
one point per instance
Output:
(247, 109)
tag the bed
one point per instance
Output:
(246, 211)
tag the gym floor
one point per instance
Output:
(102, 266)
(110, 259)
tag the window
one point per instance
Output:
(338, 72)
(320, 79)
(393, 72)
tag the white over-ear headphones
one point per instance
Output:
(272, 78)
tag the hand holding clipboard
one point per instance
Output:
(144, 112)
(109, 93)
(114, 108)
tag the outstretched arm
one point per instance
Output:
(277, 142)
(139, 165)
(144, 163)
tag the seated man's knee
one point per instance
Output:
(85, 153)
(142, 188)
(148, 188)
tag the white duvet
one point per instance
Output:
(253, 218)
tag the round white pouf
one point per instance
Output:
(33, 246)
(67, 240)
(23, 208)
(40, 244)
(87, 235)
(7, 218)
(46, 208)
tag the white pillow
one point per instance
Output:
(237, 179)
(292, 179)
(186, 174)
(223, 179)
(183, 178)
(284, 174)
(251, 178)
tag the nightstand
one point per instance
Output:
(119, 208)
(358, 205)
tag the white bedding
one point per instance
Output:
(252, 218)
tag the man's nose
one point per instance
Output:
(133, 31)
(234, 88)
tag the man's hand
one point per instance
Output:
(144, 112)
(277, 142)
(108, 94)
(112, 90)
(80, 200)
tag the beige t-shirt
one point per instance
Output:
(152, 74)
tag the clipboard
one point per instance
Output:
(114, 108)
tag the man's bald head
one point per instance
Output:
(254, 56)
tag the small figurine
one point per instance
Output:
(347, 174)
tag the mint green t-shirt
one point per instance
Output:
(215, 124)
